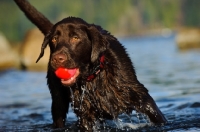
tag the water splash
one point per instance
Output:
(83, 88)
(121, 125)
(135, 126)
(129, 117)
(72, 97)
(138, 117)
(97, 126)
(142, 118)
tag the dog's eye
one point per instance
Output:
(54, 39)
(74, 39)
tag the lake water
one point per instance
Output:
(172, 77)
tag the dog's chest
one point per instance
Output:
(95, 100)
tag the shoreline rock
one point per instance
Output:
(188, 39)
(9, 58)
(30, 50)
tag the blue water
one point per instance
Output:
(172, 77)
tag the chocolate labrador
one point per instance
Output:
(102, 82)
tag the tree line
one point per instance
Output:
(122, 17)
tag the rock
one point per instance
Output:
(9, 58)
(30, 50)
(188, 39)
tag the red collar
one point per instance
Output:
(97, 70)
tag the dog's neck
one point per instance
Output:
(97, 69)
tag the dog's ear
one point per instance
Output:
(99, 42)
(44, 45)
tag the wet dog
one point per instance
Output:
(103, 85)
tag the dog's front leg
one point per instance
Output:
(60, 101)
(59, 110)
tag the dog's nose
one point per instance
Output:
(59, 58)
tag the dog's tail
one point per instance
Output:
(35, 16)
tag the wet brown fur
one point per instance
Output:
(114, 91)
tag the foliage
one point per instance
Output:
(122, 17)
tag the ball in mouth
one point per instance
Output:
(67, 76)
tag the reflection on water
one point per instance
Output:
(172, 77)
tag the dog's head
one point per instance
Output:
(74, 44)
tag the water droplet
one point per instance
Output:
(138, 117)
(129, 117)
(76, 108)
(72, 97)
(83, 88)
(104, 126)
(146, 118)
(119, 123)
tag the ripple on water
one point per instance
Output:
(172, 77)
